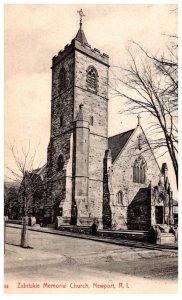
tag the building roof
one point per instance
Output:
(81, 37)
(141, 197)
(117, 142)
(40, 171)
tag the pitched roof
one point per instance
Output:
(40, 171)
(117, 142)
(81, 37)
(140, 197)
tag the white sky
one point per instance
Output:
(35, 33)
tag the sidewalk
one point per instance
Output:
(122, 242)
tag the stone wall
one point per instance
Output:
(94, 105)
(80, 170)
(59, 184)
(122, 177)
(61, 187)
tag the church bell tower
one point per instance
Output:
(79, 133)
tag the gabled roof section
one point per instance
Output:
(40, 171)
(140, 197)
(80, 37)
(117, 142)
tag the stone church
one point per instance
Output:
(90, 176)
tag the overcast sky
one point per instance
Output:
(35, 33)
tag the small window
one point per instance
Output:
(62, 79)
(92, 78)
(92, 120)
(61, 121)
(120, 197)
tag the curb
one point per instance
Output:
(126, 243)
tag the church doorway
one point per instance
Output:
(159, 214)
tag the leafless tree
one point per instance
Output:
(25, 175)
(149, 84)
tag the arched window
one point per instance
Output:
(62, 79)
(120, 197)
(92, 79)
(139, 170)
(60, 162)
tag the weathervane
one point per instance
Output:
(81, 13)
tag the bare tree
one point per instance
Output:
(25, 175)
(149, 84)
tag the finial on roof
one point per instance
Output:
(81, 13)
(150, 184)
(80, 37)
(139, 117)
(160, 182)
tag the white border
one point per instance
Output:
(91, 296)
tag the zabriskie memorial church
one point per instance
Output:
(90, 177)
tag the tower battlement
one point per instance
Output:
(84, 48)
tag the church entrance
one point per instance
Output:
(159, 214)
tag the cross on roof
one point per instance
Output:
(81, 13)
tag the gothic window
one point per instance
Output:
(62, 79)
(120, 197)
(60, 162)
(139, 170)
(92, 78)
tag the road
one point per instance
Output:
(59, 259)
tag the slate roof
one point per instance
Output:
(140, 197)
(81, 37)
(117, 142)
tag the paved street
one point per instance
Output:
(61, 259)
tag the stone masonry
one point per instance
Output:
(75, 190)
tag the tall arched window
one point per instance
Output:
(60, 163)
(92, 79)
(62, 79)
(139, 170)
(120, 197)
